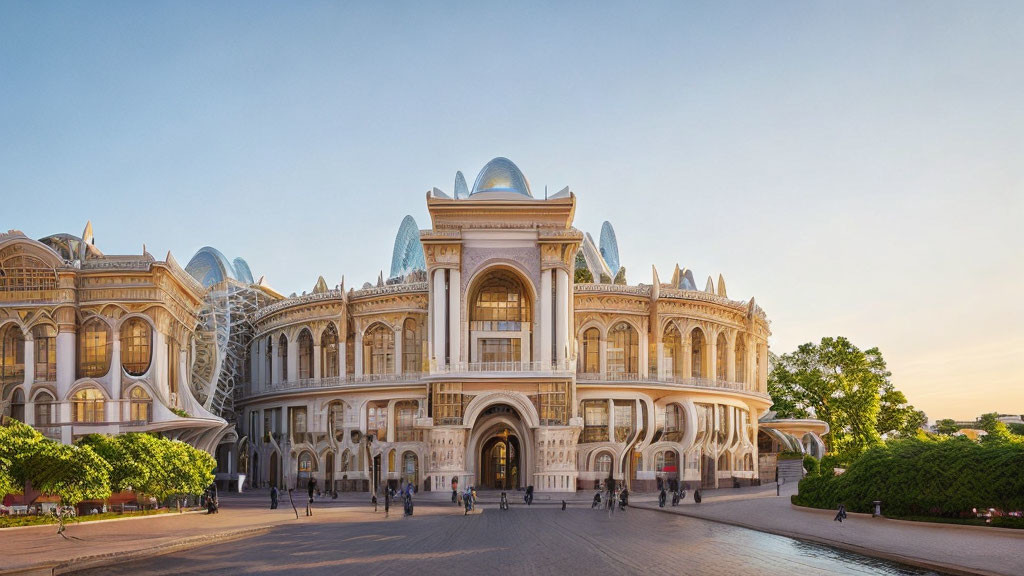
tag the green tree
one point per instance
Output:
(620, 276)
(134, 460)
(183, 470)
(895, 416)
(946, 427)
(995, 431)
(1016, 428)
(581, 274)
(837, 383)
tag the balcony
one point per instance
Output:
(334, 382)
(589, 377)
(564, 369)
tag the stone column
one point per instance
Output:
(30, 376)
(713, 358)
(438, 318)
(398, 349)
(561, 315)
(545, 319)
(275, 361)
(659, 352)
(687, 358)
(603, 356)
(730, 359)
(358, 352)
(115, 367)
(317, 369)
(66, 341)
(644, 353)
(611, 420)
(342, 359)
(455, 316)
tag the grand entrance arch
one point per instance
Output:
(499, 453)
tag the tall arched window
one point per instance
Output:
(672, 344)
(305, 354)
(141, 405)
(282, 358)
(87, 406)
(268, 360)
(720, 349)
(405, 414)
(697, 354)
(18, 405)
(379, 350)
(45, 409)
(45, 338)
(500, 319)
(412, 346)
(741, 359)
(12, 355)
(94, 349)
(329, 352)
(136, 346)
(673, 423)
(623, 351)
(591, 351)
(350, 347)
(603, 463)
(410, 468)
(665, 463)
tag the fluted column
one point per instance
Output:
(713, 358)
(730, 359)
(358, 352)
(454, 316)
(545, 318)
(293, 360)
(603, 356)
(561, 315)
(317, 368)
(438, 318)
(115, 367)
(398, 350)
(687, 358)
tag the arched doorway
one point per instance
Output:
(500, 465)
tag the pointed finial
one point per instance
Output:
(721, 287)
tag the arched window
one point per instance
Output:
(591, 351)
(94, 349)
(282, 358)
(665, 462)
(723, 462)
(741, 359)
(595, 420)
(377, 420)
(500, 319)
(412, 346)
(346, 458)
(350, 347)
(87, 406)
(45, 408)
(141, 405)
(623, 351)
(405, 414)
(674, 425)
(45, 338)
(672, 344)
(410, 468)
(720, 349)
(603, 463)
(329, 352)
(136, 346)
(18, 405)
(305, 469)
(697, 354)
(305, 354)
(379, 350)
(268, 360)
(26, 273)
(12, 355)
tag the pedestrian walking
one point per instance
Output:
(623, 499)
(504, 501)
(387, 502)
(310, 488)
(841, 514)
(528, 497)
(563, 505)
(661, 498)
(274, 495)
(373, 501)
(597, 500)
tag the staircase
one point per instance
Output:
(790, 471)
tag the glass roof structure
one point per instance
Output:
(502, 179)
(408, 252)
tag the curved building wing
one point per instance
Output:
(609, 246)
(242, 271)
(408, 252)
(209, 266)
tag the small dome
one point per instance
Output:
(502, 179)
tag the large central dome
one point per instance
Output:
(501, 179)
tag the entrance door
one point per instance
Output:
(499, 463)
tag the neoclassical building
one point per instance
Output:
(504, 349)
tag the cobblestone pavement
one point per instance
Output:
(539, 540)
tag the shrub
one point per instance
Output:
(924, 477)
(790, 455)
(811, 465)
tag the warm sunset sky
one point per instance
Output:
(857, 167)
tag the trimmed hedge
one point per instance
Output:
(923, 477)
(812, 465)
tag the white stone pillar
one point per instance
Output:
(644, 351)
(293, 360)
(30, 364)
(317, 368)
(603, 356)
(659, 352)
(562, 315)
(438, 318)
(730, 359)
(275, 362)
(713, 358)
(687, 358)
(65, 363)
(545, 319)
(359, 352)
(342, 358)
(398, 349)
(611, 420)
(115, 367)
(455, 315)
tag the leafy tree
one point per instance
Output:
(620, 276)
(134, 459)
(895, 416)
(72, 473)
(1016, 428)
(995, 430)
(582, 274)
(837, 383)
(183, 470)
(946, 427)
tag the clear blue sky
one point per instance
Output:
(857, 167)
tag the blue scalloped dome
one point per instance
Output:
(501, 178)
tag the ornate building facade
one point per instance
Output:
(505, 350)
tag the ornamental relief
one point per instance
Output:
(408, 303)
(445, 255)
(331, 311)
(447, 449)
(474, 259)
(612, 302)
(556, 449)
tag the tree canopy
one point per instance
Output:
(846, 387)
(72, 473)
